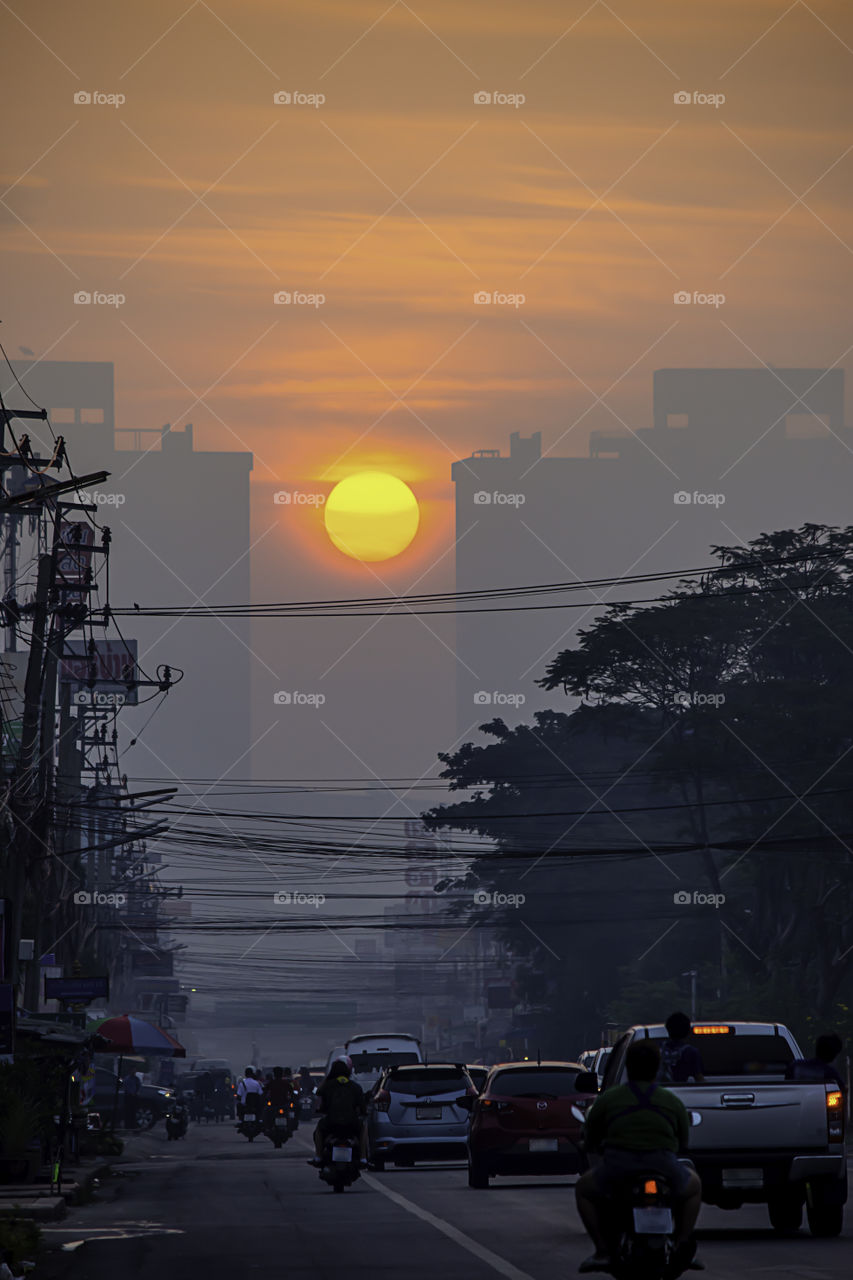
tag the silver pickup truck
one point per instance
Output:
(757, 1138)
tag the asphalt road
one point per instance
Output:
(215, 1207)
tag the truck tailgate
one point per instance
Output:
(756, 1116)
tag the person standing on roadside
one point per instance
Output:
(131, 1098)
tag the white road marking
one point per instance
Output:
(493, 1260)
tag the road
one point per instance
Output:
(214, 1206)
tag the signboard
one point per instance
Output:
(7, 1018)
(111, 663)
(77, 990)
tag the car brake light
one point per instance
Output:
(650, 1187)
(712, 1031)
(835, 1115)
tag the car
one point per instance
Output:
(219, 1091)
(522, 1122)
(478, 1074)
(152, 1102)
(414, 1114)
(595, 1060)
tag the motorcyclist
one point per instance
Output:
(638, 1127)
(249, 1094)
(342, 1110)
(279, 1089)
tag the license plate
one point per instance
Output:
(342, 1155)
(654, 1220)
(544, 1144)
(280, 1121)
(743, 1177)
(428, 1113)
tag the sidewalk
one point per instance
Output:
(34, 1200)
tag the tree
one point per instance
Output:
(734, 692)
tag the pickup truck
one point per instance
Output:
(757, 1138)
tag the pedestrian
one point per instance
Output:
(131, 1098)
(827, 1049)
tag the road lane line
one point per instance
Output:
(480, 1251)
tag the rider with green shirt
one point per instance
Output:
(638, 1127)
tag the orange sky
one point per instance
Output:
(399, 198)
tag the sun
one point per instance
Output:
(371, 516)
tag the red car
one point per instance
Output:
(522, 1122)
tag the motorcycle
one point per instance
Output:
(176, 1122)
(340, 1162)
(643, 1223)
(251, 1124)
(277, 1125)
(644, 1227)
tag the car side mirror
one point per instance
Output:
(466, 1102)
(586, 1082)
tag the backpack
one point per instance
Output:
(670, 1058)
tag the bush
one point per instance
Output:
(22, 1238)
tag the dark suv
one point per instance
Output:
(152, 1102)
(414, 1114)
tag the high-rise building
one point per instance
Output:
(732, 453)
(181, 535)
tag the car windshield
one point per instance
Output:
(423, 1082)
(547, 1082)
(365, 1062)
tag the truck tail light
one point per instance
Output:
(835, 1115)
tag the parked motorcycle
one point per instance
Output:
(340, 1162)
(177, 1122)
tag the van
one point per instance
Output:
(371, 1054)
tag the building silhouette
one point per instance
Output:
(181, 533)
(732, 453)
